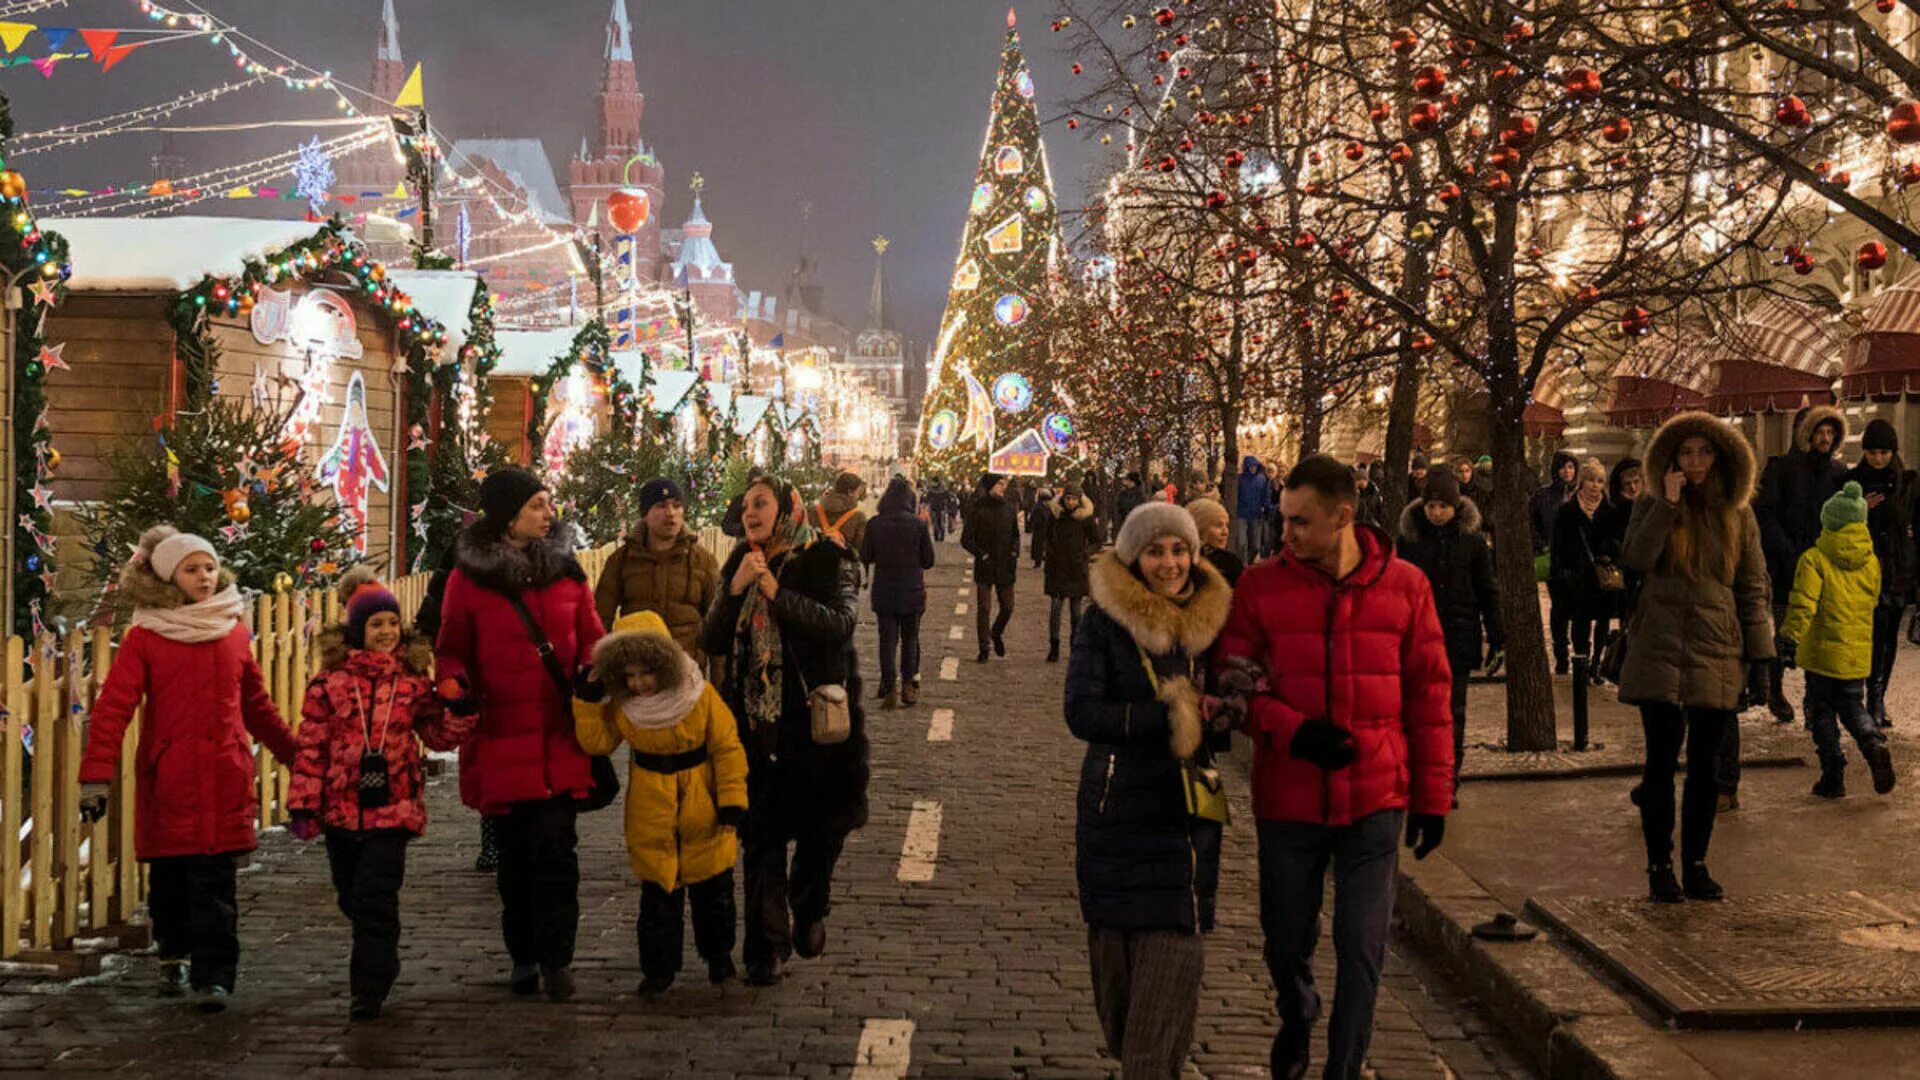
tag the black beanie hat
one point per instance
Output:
(1440, 486)
(659, 490)
(503, 493)
(1880, 436)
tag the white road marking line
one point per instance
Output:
(949, 668)
(886, 1049)
(922, 845)
(960, 609)
(941, 730)
(955, 633)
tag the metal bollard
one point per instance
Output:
(1581, 680)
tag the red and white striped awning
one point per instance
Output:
(1778, 356)
(1662, 373)
(1546, 414)
(1883, 359)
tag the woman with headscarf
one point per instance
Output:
(785, 620)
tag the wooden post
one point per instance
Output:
(65, 722)
(45, 703)
(287, 687)
(12, 816)
(263, 644)
(126, 891)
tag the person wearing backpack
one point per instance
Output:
(661, 568)
(838, 517)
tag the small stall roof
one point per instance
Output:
(169, 254)
(670, 389)
(530, 352)
(752, 410)
(444, 295)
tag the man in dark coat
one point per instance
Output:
(1542, 512)
(1129, 496)
(1416, 477)
(1793, 488)
(1440, 533)
(899, 548)
(1372, 508)
(1071, 537)
(1040, 519)
(992, 536)
(1889, 487)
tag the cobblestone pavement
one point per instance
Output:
(985, 960)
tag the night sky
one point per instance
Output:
(873, 111)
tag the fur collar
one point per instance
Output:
(1159, 624)
(638, 650)
(416, 652)
(1728, 444)
(1414, 524)
(498, 566)
(1080, 513)
(1817, 415)
(143, 589)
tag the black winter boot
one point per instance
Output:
(1777, 702)
(1292, 1052)
(1833, 781)
(1877, 703)
(1699, 885)
(1053, 651)
(1662, 886)
(1880, 763)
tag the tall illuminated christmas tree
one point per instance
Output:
(989, 396)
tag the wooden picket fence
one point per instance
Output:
(69, 889)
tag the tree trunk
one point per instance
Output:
(1401, 413)
(1230, 456)
(1530, 708)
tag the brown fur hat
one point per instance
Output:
(639, 643)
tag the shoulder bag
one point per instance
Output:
(1205, 792)
(827, 707)
(606, 781)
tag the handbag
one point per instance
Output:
(830, 713)
(606, 781)
(1200, 784)
(1610, 577)
(1613, 657)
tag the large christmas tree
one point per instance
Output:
(989, 395)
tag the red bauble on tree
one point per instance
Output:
(1404, 41)
(1583, 84)
(1903, 123)
(1792, 112)
(1423, 116)
(1617, 130)
(1871, 256)
(1430, 82)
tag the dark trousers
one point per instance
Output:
(1072, 604)
(1703, 731)
(1146, 990)
(661, 924)
(982, 594)
(1831, 703)
(1587, 635)
(1560, 624)
(899, 637)
(539, 881)
(939, 526)
(779, 895)
(190, 899)
(1886, 646)
(368, 868)
(1294, 858)
(1462, 656)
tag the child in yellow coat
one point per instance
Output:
(686, 790)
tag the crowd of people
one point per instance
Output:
(1338, 643)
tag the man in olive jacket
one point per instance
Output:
(661, 568)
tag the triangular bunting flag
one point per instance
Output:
(348, 199)
(117, 54)
(13, 33)
(267, 192)
(75, 191)
(45, 64)
(399, 192)
(411, 95)
(56, 36)
(241, 192)
(99, 42)
(160, 187)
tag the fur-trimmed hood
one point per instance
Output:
(415, 652)
(145, 590)
(499, 567)
(1813, 418)
(1728, 444)
(647, 649)
(1159, 624)
(1080, 513)
(1413, 519)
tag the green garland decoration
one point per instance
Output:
(592, 347)
(459, 458)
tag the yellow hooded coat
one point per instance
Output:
(674, 837)
(1830, 614)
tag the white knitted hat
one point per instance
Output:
(1149, 522)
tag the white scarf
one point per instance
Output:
(209, 620)
(656, 712)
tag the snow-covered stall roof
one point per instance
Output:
(752, 410)
(445, 295)
(531, 352)
(168, 254)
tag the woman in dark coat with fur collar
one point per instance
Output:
(522, 766)
(785, 620)
(1146, 867)
(1068, 541)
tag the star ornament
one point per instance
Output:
(42, 293)
(50, 357)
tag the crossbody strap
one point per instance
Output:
(541, 645)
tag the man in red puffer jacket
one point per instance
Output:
(1352, 733)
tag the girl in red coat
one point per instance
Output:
(358, 774)
(187, 656)
(522, 766)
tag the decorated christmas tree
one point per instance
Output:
(989, 396)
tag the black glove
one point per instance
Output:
(1789, 651)
(465, 705)
(1496, 659)
(732, 817)
(1324, 743)
(587, 688)
(1424, 832)
(93, 801)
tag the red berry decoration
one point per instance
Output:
(1903, 123)
(1636, 322)
(1909, 174)
(1078, 69)
(1164, 16)
(1379, 112)
(1583, 84)
(1404, 41)
(1617, 130)
(1500, 182)
(1355, 151)
(1518, 131)
(1449, 194)
(1423, 116)
(1587, 295)
(1802, 265)
(1504, 158)
(1884, 7)
(1400, 154)
(1792, 112)
(1430, 82)
(1871, 256)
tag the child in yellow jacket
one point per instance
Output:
(686, 790)
(1829, 633)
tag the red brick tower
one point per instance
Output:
(616, 156)
(389, 72)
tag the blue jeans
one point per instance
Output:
(1250, 538)
(899, 636)
(1831, 703)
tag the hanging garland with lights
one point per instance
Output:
(592, 351)
(37, 260)
(461, 454)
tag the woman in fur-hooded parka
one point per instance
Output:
(1072, 536)
(1143, 862)
(1691, 636)
(685, 773)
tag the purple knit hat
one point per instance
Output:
(371, 600)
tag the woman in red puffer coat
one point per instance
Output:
(522, 766)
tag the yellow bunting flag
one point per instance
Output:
(411, 94)
(399, 192)
(13, 33)
(241, 192)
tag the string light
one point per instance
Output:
(34, 142)
(279, 164)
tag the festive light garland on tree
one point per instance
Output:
(461, 454)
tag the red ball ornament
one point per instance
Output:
(1379, 112)
(1871, 256)
(1903, 123)
(1500, 182)
(1423, 116)
(1430, 82)
(1164, 16)
(1518, 131)
(1802, 265)
(1792, 112)
(1400, 154)
(1354, 151)
(1636, 322)
(1617, 130)
(1404, 41)
(1449, 194)
(628, 209)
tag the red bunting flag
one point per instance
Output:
(117, 54)
(99, 42)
